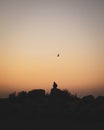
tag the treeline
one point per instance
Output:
(57, 104)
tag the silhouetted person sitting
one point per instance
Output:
(54, 85)
(55, 91)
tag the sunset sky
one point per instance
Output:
(33, 32)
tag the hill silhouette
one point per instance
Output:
(58, 104)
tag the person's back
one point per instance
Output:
(54, 85)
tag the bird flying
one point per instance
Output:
(58, 55)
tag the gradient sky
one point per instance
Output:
(33, 32)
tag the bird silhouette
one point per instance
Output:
(58, 55)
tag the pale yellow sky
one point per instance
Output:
(33, 32)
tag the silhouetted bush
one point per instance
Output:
(22, 94)
(12, 95)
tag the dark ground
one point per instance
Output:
(51, 124)
(59, 110)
